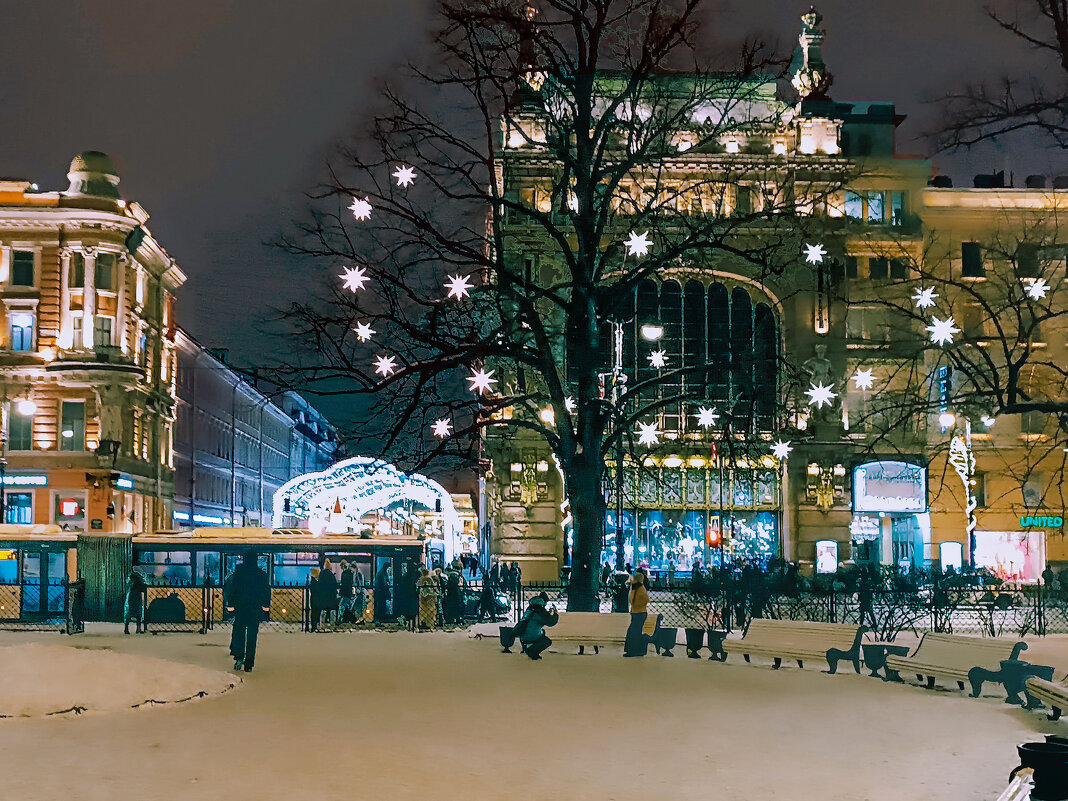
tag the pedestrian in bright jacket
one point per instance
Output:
(637, 644)
(533, 624)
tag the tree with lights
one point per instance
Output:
(597, 134)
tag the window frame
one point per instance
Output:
(15, 252)
(73, 439)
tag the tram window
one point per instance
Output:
(165, 567)
(293, 569)
(208, 568)
(9, 567)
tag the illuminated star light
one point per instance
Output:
(570, 405)
(363, 331)
(354, 278)
(820, 395)
(638, 244)
(482, 381)
(814, 254)
(442, 428)
(706, 418)
(361, 208)
(925, 298)
(404, 175)
(648, 434)
(863, 379)
(658, 358)
(942, 331)
(385, 365)
(458, 286)
(1038, 288)
(781, 450)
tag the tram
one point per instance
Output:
(36, 564)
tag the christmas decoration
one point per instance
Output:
(363, 331)
(942, 331)
(820, 395)
(570, 405)
(354, 278)
(385, 365)
(987, 420)
(706, 418)
(1037, 288)
(648, 434)
(458, 286)
(925, 298)
(404, 175)
(657, 358)
(814, 254)
(781, 450)
(442, 428)
(361, 208)
(863, 379)
(638, 244)
(482, 381)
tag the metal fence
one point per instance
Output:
(886, 612)
(55, 607)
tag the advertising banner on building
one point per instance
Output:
(889, 486)
(1011, 555)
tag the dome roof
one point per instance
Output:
(93, 173)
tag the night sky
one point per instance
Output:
(221, 113)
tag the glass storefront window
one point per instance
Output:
(695, 487)
(743, 488)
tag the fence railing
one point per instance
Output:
(55, 607)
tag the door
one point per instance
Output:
(44, 574)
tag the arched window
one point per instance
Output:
(766, 367)
(693, 336)
(671, 344)
(742, 344)
(718, 337)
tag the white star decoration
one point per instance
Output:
(820, 395)
(706, 418)
(814, 253)
(404, 175)
(648, 434)
(924, 298)
(482, 381)
(385, 365)
(570, 405)
(863, 379)
(658, 358)
(942, 331)
(363, 331)
(638, 244)
(442, 428)
(1037, 288)
(458, 286)
(781, 450)
(361, 208)
(354, 278)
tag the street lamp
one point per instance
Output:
(26, 408)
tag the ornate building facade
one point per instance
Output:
(868, 475)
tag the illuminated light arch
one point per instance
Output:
(359, 486)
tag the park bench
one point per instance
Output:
(953, 656)
(597, 629)
(801, 640)
(1054, 693)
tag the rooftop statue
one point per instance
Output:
(808, 73)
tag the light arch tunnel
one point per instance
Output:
(704, 321)
(338, 499)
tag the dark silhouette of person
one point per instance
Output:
(248, 595)
(383, 593)
(136, 593)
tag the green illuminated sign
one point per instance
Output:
(1045, 521)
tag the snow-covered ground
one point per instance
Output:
(441, 716)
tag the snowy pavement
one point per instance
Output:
(441, 716)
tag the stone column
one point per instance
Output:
(66, 335)
(89, 300)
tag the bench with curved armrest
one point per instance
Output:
(801, 640)
(1052, 692)
(953, 656)
(591, 628)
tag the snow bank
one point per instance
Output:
(43, 680)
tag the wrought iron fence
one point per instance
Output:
(54, 607)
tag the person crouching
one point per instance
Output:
(533, 624)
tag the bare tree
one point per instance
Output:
(573, 128)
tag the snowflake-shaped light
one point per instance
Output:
(481, 381)
(925, 298)
(658, 358)
(648, 434)
(942, 331)
(814, 254)
(570, 405)
(706, 418)
(780, 450)
(572, 202)
(863, 379)
(638, 244)
(363, 331)
(404, 175)
(385, 365)
(442, 428)
(361, 208)
(458, 286)
(1037, 288)
(820, 395)
(354, 278)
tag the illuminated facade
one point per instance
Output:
(86, 355)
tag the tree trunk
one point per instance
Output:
(587, 511)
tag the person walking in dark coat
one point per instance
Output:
(487, 602)
(451, 600)
(495, 575)
(328, 594)
(347, 594)
(248, 595)
(532, 626)
(383, 593)
(134, 605)
(408, 596)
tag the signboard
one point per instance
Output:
(826, 556)
(1041, 521)
(25, 481)
(890, 486)
(1011, 555)
(864, 528)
